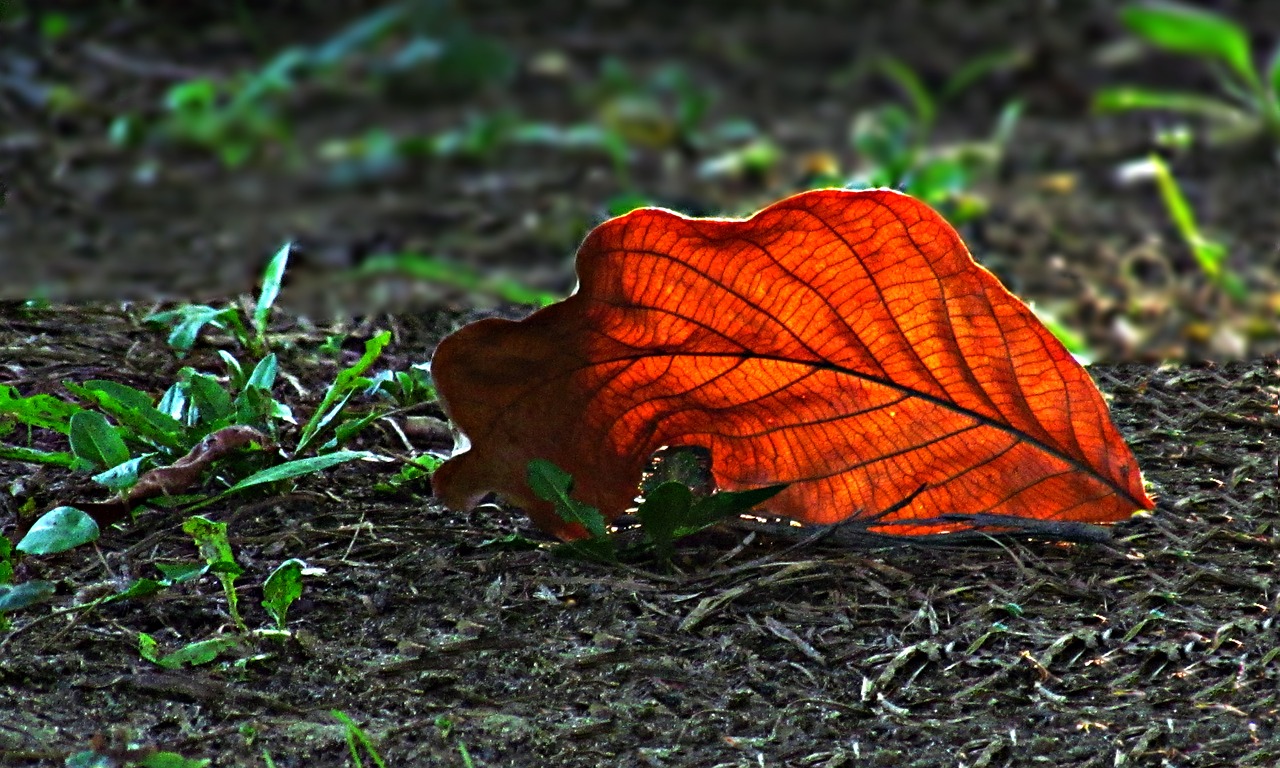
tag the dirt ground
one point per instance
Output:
(445, 640)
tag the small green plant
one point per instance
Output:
(15, 597)
(445, 725)
(239, 117)
(132, 755)
(142, 449)
(280, 590)
(670, 511)
(431, 269)
(1210, 255)
(247, 328)
(897, 145)
(1249, 105)
(357, 740)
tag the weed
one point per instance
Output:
(895, 143)
(1210, 255)
(1249, 103)
(240, 117)
(280, 590)
(358, 740)
(248, 330)
(445, 726)
(142, 449)
(418, 266)
(670, 511)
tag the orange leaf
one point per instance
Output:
(843, 342)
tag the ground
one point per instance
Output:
(448, 644)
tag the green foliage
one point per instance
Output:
(249, 332)
(192, 654)
(58, 530)
(1210, 255)
(200, 422)
(406, 388)
(418, 266)
(15, 597)
(296, 468)
(347, 383)
(670, 511)
(281, 588)
(241, 117)
(898, 148)
(143, 758)
(211, 539)
(1249, 103)
(553, 484)
(357, 741)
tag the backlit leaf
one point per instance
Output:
(844, 343)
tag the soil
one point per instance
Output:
(448, 639)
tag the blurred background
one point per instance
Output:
(1116, 169)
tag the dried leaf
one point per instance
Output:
(843, 342)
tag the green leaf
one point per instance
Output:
(58, 530)
(553, 484)
(171, 760)
(297, 468)
(133, 409)
(212, 403)
(271, 278)
(710, 510)
(420, 266)
(37, 456)
(346, 382)
(15, 597)
(138, 589)
(1195, 32)
(1273, 95)
(186, 323)
(177, 573)
(191, 654)
(282, 587)
(264, 373)
(122, 476)
(664, 511)
(174, 400)
(922, 102)
(43, 411)
(148, 647)
(211, 539)
(1124, 99)
(6, 560)
(234, 370)
(95, 440)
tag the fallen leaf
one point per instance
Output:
(843, 342)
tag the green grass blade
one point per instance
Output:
(343, 385)
(271, 278)
(44, 411)
(297, 468)
(912, 87)
(37, 456)
(1125, 99)
(1194, 32)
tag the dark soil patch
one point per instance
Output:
(1160, 648)
(1157, 646)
